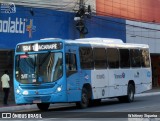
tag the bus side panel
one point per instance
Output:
(74, 81)
(74, 95)
(117, 82)
(100, 92)
(120, 78)
(99, 81)
(73, 87)
(145, 82)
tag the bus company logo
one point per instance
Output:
(86, 76)
(7, 8)
(119, 76)
(136, 75)
(100, 76)
(18, 26)
(30, 28)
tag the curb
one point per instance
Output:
(14, 108)
(147, 94)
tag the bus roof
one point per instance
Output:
(42, 40)
(93, 42)
(106, 42)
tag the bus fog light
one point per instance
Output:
(59, 88)
(18, 91)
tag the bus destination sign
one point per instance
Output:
(39, 47)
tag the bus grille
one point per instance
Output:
(37, 86)
(42, 98)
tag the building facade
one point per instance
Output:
(134, 21)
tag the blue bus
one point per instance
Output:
(83, 71)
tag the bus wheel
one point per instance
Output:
(130, 93)
(84, 99)
(43, 106)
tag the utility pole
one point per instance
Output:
(81, 7)
(81, 3)
(79, 18)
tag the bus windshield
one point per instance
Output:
(39, 68)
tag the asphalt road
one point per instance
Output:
(108, 110)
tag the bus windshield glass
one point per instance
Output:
(39, 68)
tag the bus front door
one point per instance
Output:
(72, 76)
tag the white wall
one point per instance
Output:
(144, 33)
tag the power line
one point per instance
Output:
(55, 6)
(118, 29)
(124, 23)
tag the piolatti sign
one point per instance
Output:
(13, 26)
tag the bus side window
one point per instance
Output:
(113, 57)
(124, 58)
(71, 64)
(135, 58)
(86, 58)
(100, 58)
(145, 61)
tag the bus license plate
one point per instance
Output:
(37, 101)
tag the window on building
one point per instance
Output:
(100, 58)
(86, 57)
(113, 57)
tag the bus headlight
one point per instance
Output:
(25, 92)
(59, 88)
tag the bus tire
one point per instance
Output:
(130, 93)
(84, 100)
(43, 106)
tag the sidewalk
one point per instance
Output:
(154, 89)
(13, 107)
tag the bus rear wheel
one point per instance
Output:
(43, 106)
(84, 100)
(130, 94)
